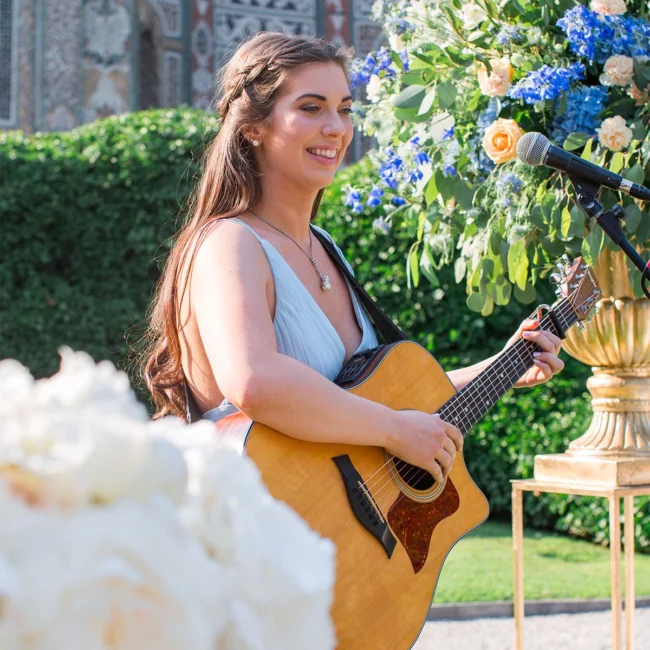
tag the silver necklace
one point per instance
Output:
(324, 279)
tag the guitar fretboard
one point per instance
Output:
(469, 405)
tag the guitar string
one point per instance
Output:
(562, 312)
(415, 473)
(512, 353)
(387, 477)
(507, 357)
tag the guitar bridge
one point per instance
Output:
(363, 505)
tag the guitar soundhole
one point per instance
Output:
(414, 477)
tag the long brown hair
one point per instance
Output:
(247, 88)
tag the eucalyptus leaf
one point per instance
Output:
(576, 140)
(475, 301)
(427, 102)
(446, 95)
(526, 296)
(635, 174)
(463, 193)
(411, 97)
(431, 191)
(518, 263)
(460, 268)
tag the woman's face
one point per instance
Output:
(310, 128)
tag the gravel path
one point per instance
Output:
(592, 631)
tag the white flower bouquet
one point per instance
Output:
(125, 534)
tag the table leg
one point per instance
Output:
(518, 548)
(615, 567)
(628, 511)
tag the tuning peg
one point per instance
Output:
(555, 278)
(566, 260)
(581, 326)
(558, 292)
(560, 266)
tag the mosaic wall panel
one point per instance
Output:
(337, 21)
(60, 66)
(173, 76)
(106, 61)
(235, 20)
(26, 71)
(8, 62)
(171, 16)
(202, 53)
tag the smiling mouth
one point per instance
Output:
(324, 159)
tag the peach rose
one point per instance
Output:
(500, 140)
(640, 98)
(619, 71)
(499, 80)
(608, 7)
(614, 133)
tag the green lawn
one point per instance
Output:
(479, 568)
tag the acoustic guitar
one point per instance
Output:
(392, 523)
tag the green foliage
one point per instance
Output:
(86, 221)
(84, 215)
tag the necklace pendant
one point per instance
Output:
(325, 283)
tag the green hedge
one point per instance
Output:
(86, 220)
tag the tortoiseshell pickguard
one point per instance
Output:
(413, 522)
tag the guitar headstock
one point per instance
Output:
(577, 282)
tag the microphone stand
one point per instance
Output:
(609, 221)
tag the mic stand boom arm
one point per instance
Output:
(609, 221)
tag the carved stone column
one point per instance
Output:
(615, 449)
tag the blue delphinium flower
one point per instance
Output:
(421, 157)
(489, 114)
(360, 72)
(448, 134)
(450, 170)
(580, 114)
(508, 34)
(381, 226)
(404, 58)
(509, 183)
(597, 37)
(398, 200)
(374, 197)
(353, 200)
(546, 83)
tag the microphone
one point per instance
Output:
(535, 149)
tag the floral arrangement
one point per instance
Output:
(121, 533)
(448, 100)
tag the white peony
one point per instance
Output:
(253, 535)
(122, 577)
(83, 436)
(472, 16)
(128, 534)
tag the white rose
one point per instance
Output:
(473, 16)
(608, 7)
(373, 88)
(396, 42)
(534, 34)
(496, 84)
(618, 71)
(614, 133)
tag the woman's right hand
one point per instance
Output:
(426, 441)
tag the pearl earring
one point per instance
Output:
(256, 143)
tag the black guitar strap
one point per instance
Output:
(383, 324)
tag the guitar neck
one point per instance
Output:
(469, 405)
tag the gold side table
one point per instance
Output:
(614, 496)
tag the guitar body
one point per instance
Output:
(384, 586)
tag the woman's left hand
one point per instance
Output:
(547, 362)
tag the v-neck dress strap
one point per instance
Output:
(302, 330)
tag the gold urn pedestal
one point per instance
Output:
(615, 449)
(600, 471)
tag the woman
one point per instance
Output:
(250, 311)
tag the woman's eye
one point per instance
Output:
(313, 109)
